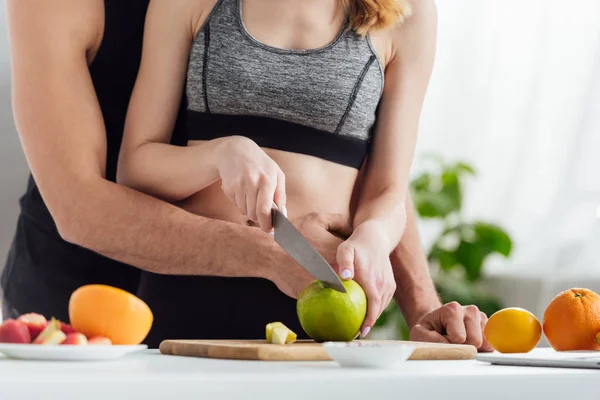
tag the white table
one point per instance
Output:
(150, 375)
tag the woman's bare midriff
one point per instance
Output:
(312, 185)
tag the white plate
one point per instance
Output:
(67, 352)
(367, 354)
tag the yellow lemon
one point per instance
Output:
(513, 330)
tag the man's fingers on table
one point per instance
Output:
(452, 319)
(485, 346)
(472, 320)
(420, 333)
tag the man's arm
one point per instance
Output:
(62, 132)
(428, 319)
(416, 294)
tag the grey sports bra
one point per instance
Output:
(321, 102)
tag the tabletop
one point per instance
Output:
(151, 375)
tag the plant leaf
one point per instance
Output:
(421, 182)
(471, 255)
(464, 292)
(466, 168)
(446, 259)
(494, 238)
(433, 205)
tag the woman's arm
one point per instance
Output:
(382, 202)
(149, 163)
(380, 218)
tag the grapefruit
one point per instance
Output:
(100, 310)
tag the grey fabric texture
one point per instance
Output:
(335, 88)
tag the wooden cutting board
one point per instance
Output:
(299, 351)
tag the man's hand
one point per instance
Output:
(325, 232)
(453, 323)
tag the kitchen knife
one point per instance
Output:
(296, 245)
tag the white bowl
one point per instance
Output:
(367, 354)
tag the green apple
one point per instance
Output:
(328, 315)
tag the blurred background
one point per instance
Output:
(505, 175)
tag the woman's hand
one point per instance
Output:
(251, 179)
(365, 257)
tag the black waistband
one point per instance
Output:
(279, 135)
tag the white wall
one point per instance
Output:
(13, 168)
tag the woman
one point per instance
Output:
(288, 103)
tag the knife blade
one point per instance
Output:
(296, 245)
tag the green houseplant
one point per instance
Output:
(461, 248)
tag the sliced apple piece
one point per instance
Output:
(34, 322)
(290, 338)
(100, 340)
(53, 326)
(13, 331)
(75, 338)
(269, 330)
(279, 335)
(55, 337)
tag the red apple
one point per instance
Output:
(34, 322)
(51, 327)
(66, 328)
(75, 338)
(12, 331)
(100, 340)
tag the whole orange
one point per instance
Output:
(513, 330)
(100, 310)
(572, 320)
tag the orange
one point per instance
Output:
(100, 310)
(572, 320)
(513, 330)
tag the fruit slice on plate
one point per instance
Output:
(278, 333)
(47, 335)
(34, 322)
(55, 337)
(75, 338)
(67, 329)
(13, 331)
(100, 340)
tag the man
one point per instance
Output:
(74, 64)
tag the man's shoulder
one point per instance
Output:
(79, 20)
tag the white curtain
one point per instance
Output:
(516, 92)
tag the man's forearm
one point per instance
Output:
(416, 294)
(153, 235)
